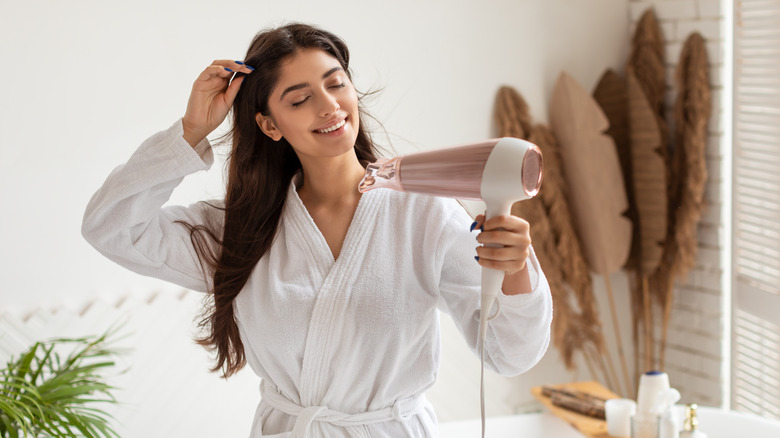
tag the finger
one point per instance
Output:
(504, 237)
(222, 70)
(213, 78)
(232, 90)
(510, 267)
(506, 254)
(507, 222)
(233, 65)
(478, 221)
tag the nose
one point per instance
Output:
(330, 105)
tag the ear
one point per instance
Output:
(267, 125)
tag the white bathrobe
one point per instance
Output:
(344, 347)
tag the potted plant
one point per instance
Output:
(53, 388)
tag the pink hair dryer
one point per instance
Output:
(499, 172)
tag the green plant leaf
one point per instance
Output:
(41, 363)
(48, 391)
(9, 429)
(24, 364)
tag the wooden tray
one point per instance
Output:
(588, 426)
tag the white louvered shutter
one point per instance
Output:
(756, 216)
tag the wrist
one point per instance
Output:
(190, 135)
(517, 283)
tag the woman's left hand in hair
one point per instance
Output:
(506, 243)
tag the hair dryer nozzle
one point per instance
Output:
(382, 174)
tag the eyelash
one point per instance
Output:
(297, 104)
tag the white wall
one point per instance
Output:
(85, 82)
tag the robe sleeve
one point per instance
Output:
(519, 336)
(126, 222)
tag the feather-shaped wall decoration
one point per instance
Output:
(646, 65)
(650, 193)
(612, 97)
(648, 177)
(592, 170)
(586, 332)
(691, 114)
(555, 240)
(689, 170)
(512, 115)
(646, 60)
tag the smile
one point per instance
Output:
(332, 128)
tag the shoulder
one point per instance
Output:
(424, 209)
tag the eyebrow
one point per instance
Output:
(306, 84)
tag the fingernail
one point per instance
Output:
(250, 67)
(239, 63)
(476, 258)
(473, 225)
(482, 228)
(231, 71)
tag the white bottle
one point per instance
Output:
(668, 425)
(691, 425)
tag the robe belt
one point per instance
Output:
(400, 411)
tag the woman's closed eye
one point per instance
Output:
(300, 102)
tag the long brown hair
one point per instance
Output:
(260, 171)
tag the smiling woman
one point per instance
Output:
(317, 105)
(331, 296)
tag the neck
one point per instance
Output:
(332, 181)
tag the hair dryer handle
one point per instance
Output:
(492, 279)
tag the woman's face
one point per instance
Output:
(313, 105)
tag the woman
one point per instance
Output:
(332, 297)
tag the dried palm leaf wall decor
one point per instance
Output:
(646, 62)
(649, 181)
(689, 173)
(598, 198)
(576, 323)
(612, 95)
(646, 85)
(666, 220)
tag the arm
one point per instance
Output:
(125, 220)
(518, 337)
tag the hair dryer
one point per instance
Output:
(499, 172)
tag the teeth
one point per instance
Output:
(333, 128)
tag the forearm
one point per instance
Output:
(517, 283)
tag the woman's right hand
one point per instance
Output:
(211, 98)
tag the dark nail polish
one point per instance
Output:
(476, 258)
(482, 228)
(250, 67)
(473, 225)
(231, 71)
(239, 63)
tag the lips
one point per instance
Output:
(332, 126)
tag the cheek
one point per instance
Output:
(290, 123)
(350, 102)
(352, 99)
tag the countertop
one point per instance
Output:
(716, 423)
